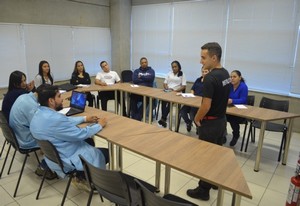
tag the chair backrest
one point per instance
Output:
(110, 184)
(148, 198)
(8, 132)
(280, 105)
(126, 75)
(251, 100)
(50, 152)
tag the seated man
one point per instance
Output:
(20, 117)
(63, 133)
(104, 78)
(145, 76)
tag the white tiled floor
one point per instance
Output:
(269, 186)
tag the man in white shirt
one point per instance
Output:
(105, 78)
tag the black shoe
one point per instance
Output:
(233, 142)
(49, 175)
(162, 123)
(198, 193)
(214, 187)
(188, 127)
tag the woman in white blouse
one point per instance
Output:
(44, 76)
(174, 82)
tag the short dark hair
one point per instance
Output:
(144, 59)
(102, 63)
(45, 92)
(15, 80)
(213, 48)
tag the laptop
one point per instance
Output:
(67, 87)
(77, 103)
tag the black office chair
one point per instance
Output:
(148, 198)
(250, 101)
(280, 105)
(10, 137)
(51, 153)
(115, 186)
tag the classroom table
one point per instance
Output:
(215, 164)
(256, 113)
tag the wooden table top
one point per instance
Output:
(201, 159)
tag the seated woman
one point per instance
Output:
(176, 82)
(80, 76)
(188, 113)
(238, 95)
(44, 76)
(16, 87)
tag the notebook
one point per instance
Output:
(67, 87)
(77, 103)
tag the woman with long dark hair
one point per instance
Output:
(16, 87)
(80, 76)
(44, 76)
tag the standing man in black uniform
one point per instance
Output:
(211, 116)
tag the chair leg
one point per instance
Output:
(37, 158)
(12, 160)
(249, 133)
(253, 135)
(41, 185)
(244, 135)
(20, 176)
(3, 147)
(5, 160)
(67, 189)
(282, 145)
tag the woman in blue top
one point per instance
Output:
(238, 95)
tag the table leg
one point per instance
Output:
(260, 144)
(167, 179)
(119, 158)
(176, 117)
(287, 141)
(236, 200)
(111, 155)
(171, 116)
(121, 102)
(157, 175)
(220, 197)
(116, 101)
(144, 108)
(150, 110)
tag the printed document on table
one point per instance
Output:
(187, 95)
(240, 106)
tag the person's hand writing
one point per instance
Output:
(102, 121)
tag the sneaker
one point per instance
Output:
(49, 175)
(188, 127)
(81, 184)
(162, 123)
(233, 142)
(198, 193)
